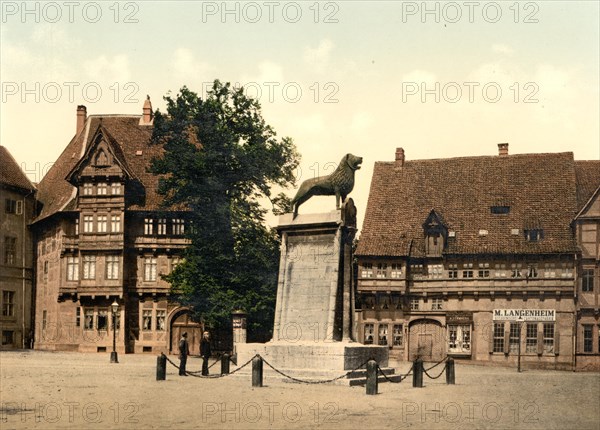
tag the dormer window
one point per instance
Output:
(534, 235)
(115, 188)
(500, 210)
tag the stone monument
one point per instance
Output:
(313, 336)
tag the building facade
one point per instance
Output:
(16, 259)
(480, 258)
(102, 238)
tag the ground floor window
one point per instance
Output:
(514, 337)
(7, 337)
(398, 335)
(549, 338)
(459, 338)
(531, 339)
(383, 334)
(147, 320)
(588, 338)
(498, 337)
(161, 317)
(102, 321)
(369, 334)
(88, 319)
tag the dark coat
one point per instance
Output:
(184, 348)
(205, 348)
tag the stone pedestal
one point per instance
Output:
(313, 331)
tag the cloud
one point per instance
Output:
(502, 49)
(318, 57)
(103, 68)
(186, 68)
(361, 121)
(419, 76)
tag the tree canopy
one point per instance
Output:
(220, 159)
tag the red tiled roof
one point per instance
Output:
(539, 188)
(10, 172)
(133, 140)
(587, 174)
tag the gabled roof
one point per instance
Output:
(587, 174)
(129, 138)
(538, 188)
(11, 174)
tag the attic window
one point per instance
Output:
(483, 232)
(500, 210)
(534, 235)
(139, 152)
(101, 159)
(451, 233)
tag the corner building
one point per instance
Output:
(17, 205)
(102, 236)
(479, 257)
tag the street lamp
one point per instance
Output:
(113, 355)
(520, 321)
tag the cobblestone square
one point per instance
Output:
(43, 390)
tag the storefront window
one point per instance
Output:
(383, 334)
(459, 339)
(369, 332)
(398, 335)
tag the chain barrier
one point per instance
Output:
(305, 381)
(402, 377)
(209, 367)
(212, 376)
(435, 365)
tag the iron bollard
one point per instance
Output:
(161, 367)
(371, 377)
(225, 364)
(257, 371)
(450, 377)
(418, 373)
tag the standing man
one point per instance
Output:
(184, 350)
(205, 352)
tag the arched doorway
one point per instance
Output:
(426, 340)
(182, 322)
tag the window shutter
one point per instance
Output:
(19, 209)
(556, 340)
(540, 339)
(491, 340)
(506, 338)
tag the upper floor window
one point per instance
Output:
(89, 267)
(534, 235)
(532, 272)
(115, 223)
(175, 261)
(77, 227)
(452, 271)
(414, 304)
(467, 270)
(549, 270)
(162, 226)
(516, 270)
(381, 270)
(115, 188)
(435, 271)
(88, 223)
(8, 303)
(112, 267)
(150, 269)
(396, 271)
(588, 338)
(567, 270)
(102, 188)
(13, 206)
(178, 226)
(587, 280)
(484, 270)
(148, 226)
(88, 189)
(102, 223)
(437, 304)
(72, 268)
(367, 270)
(10, 250)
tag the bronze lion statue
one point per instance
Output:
(340, 183)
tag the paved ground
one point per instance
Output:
(71, 390)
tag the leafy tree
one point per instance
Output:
(220, 159)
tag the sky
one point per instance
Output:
(439, 79)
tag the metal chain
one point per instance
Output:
(211, 376)
(435, 377)
(402, 377)
(304, 381)
(436, 364)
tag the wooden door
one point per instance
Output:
(183, 323)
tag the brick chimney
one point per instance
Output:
(399, 157)
(81, 117)
(502, 149)
(147, 115)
